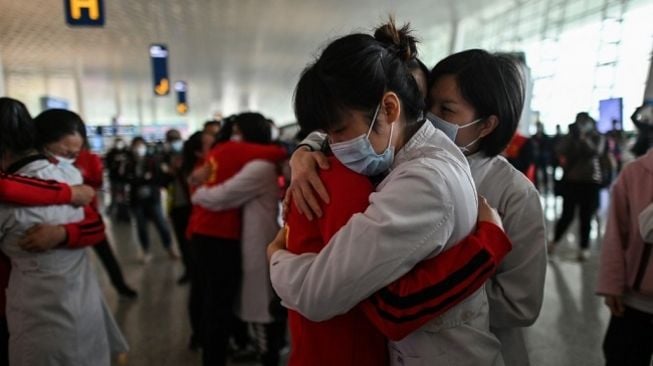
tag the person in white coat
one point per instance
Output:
(55, 309)
(360, 91)
(476, 98)
(255, 189)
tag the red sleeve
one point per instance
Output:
(87, 232)
(436, 285)
(31, 191)
(271, 152)
(90, 165)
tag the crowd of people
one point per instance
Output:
(405, 228)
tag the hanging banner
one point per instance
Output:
(159, 56)
(85, 13)
(182, 104)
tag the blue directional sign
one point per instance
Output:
(182, 104)
(85, 13)
(159, 56)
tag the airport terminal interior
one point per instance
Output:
(162, 173)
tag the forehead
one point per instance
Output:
(445, 87)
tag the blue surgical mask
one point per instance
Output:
(177, 145)
(451, 129)
(358, 154)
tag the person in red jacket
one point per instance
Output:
(216, 234)
(62, 135)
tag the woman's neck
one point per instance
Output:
(407, 132)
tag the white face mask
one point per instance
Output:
(451, 130)
(236, 137)
(177, 145)
(358, 154)
(61, 159)
(141, 151)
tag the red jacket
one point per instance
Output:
(348, 339)
(225, 160)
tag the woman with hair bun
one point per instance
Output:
(361, 92)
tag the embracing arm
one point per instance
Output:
(31, 191)
(437, 284)
(237, 190)
(373, 249)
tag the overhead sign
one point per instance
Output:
(182, 104)
(159, 56)
(85, 13)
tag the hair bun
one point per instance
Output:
(400, 41)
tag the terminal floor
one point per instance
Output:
(569, 331)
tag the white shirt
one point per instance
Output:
(516, 290)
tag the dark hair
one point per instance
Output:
(138, 139)
(17, 132)
(254, 127)
(493, 85)
(211, 123)
(352, 73)
(226, 128)
(189, 153)
(172, 134)
(55, 124)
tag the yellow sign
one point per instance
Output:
(84, 13)
(163, 87)
(182, 108)
(93, 7)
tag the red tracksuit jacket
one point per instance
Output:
(226, 159)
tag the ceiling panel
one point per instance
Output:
(234, 54)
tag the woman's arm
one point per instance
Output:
(237, 190)
(436, 285)
(36, 192)
(409, 220)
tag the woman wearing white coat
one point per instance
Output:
(255, 189)
(360, 91)
(475, 98)
(55, 309)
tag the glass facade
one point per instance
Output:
(579, 51)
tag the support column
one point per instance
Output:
(3, 85)
(648, 91)
(79, 93)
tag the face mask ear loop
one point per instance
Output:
(392, 128)
(376, 113)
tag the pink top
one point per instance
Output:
(623, 246)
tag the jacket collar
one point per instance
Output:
(412, 147)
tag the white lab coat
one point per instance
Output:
(426, 204)
(256, 190)
(55, 310)
(516, 290)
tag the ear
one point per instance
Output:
(489, 125)
(390, 107)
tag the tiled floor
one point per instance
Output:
(569, 331)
